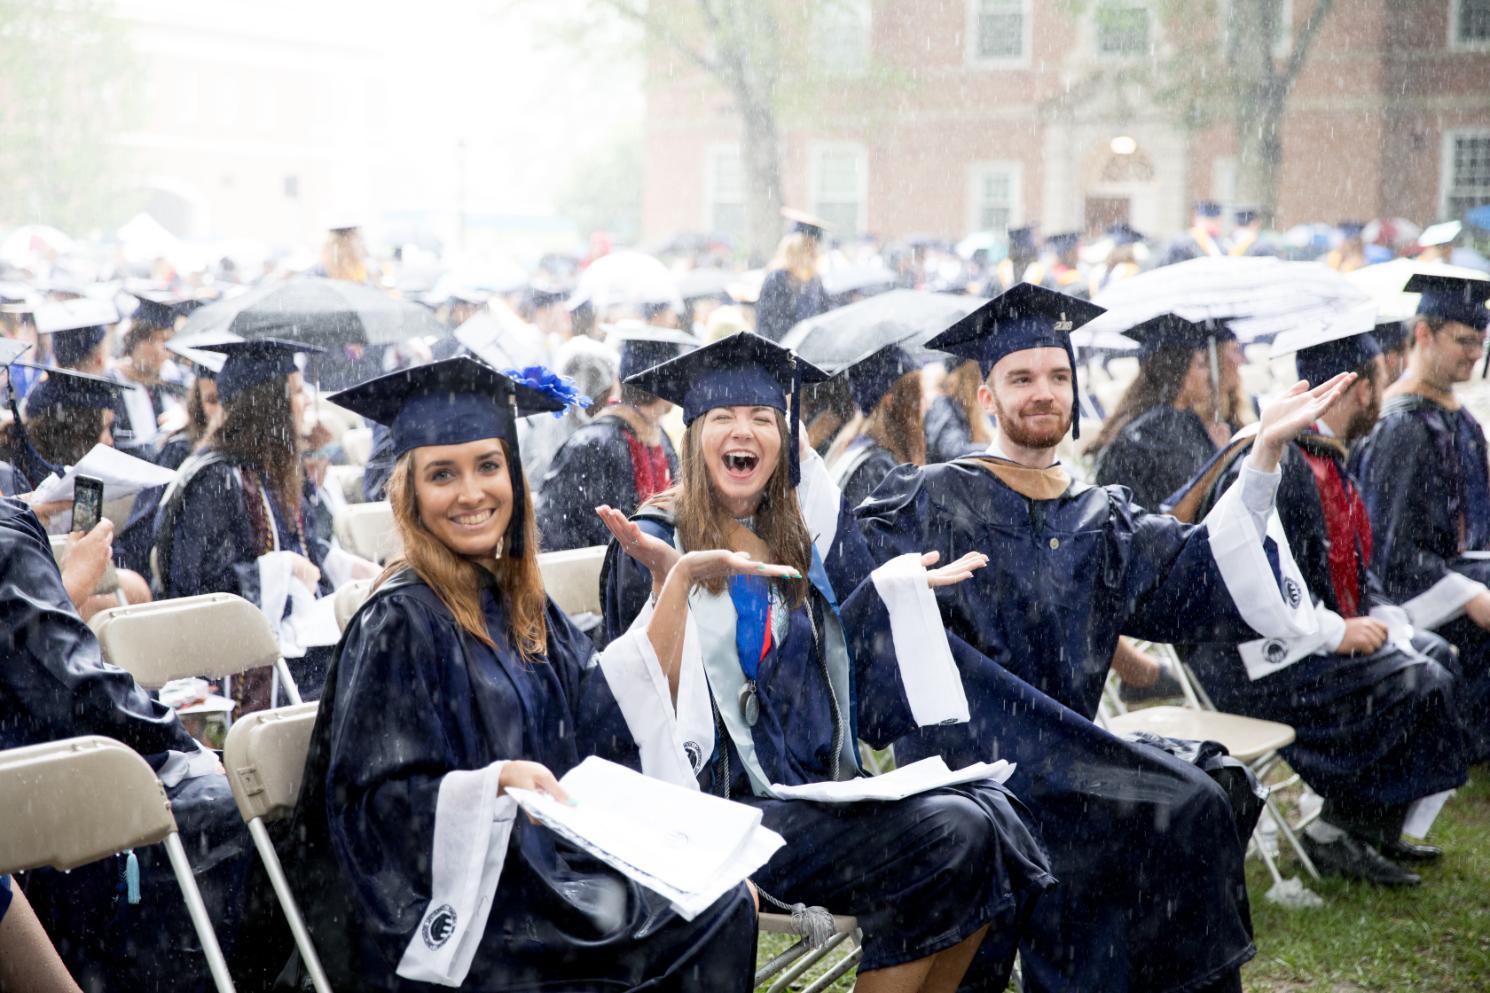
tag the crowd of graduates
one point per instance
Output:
(918, 549)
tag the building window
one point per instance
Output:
(1122, 28)
(995, 196)
(999, 31)
(1466, 180)
(725, 185)
(843, 35)
(840, 186)
(1469, 23)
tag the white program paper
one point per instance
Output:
(908, 780)
(690, 847)
(123, 475)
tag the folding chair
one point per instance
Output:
(572, 578)
(215, 635)
(348, 598)
(795, 960)
(367, 529)
(67, 803)
(1257, 743)
(357, 443)
(265, 758)
(346, 480)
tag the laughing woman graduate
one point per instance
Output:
(775, 683)
(456, 680)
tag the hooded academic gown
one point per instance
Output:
(405, 759)
(920, 874)
(1375, 731)
(1155, 453)
(54, 685)
(1072, 567)
(783, 302)
(594, 466)
(860, 468)
(1423, 474)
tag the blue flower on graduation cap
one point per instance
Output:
(550, 384)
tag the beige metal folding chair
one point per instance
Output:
(346, 480)
(348, 598)
(215, 636)
(67, 803)
(367, 529)
(1257, 743)
(792, 963)
(357, 443)
(265, 758)
(572, 578)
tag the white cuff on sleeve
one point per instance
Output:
(933, 685)
(820, 501)
(1238, 532)
(1443, 601)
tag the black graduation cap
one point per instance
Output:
(160, 310)
(1022, 237)
(1063, 241)
(76, 326)
(1023, 316)
(871, 377)
(1122, 234)
(1207, 208)
(1173, 331)
(809, 224)
(743, 369)
(68, 388)
(256, 361)
(460, 400)
(643, 346)
(1454, 298)
(1341, 343)
(1390, 334)
(1246, 215)
(543, 294)
(193, 348)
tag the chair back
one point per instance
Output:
(212, 635)
(348, 599)
(265, 758)
(357, 443)
(572, 578)
(367, 529)
(67, 803)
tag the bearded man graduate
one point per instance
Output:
(1151, 894)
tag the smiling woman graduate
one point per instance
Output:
(775, 684)
(456, 680)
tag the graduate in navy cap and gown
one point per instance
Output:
(1146, 848)
(235, 519)
(778, 680)
(156, 386)
(792, 290)
(1168, 424)
(457, 679)
(1021, 263)
(1064, 272)
(886, 387)
(1423, 474)
(1202, 238)
(622, 457)
(1372, 701)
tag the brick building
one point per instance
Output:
(964, 115)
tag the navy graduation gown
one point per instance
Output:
(412, 703)
(54, 685)
(1378, 730)
(920, 874)
(1155, 454)
(592, 467)
(870, 467)
(1152, 895)
(783, 302)
(948, 433)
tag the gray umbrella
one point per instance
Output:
(907, 318)
(317, 311)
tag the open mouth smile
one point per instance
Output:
(740, 464)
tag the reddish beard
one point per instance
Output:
(1018, 432)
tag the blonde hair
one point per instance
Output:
(797, 254)
(457, 581)
(343, 256)
(961, 385)
(701, 520)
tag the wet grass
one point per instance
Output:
(1364, 939)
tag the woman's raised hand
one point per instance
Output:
(650, 551)
(953, 572)
(701, 566)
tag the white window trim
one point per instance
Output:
(1446, 162)
(975, 173)
(866, 7)
(970, 39)
(1455, 45)
(711, 188)
(1093, 36)
(815, 151)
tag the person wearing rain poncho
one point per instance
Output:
(1151, 894)
(1422, 472)
(886, 388)
(457, 679)
(775, 681)
(235, 519)
(622, 457)
(1372, 702)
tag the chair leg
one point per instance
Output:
(282, 669)
(1293, 839)
(287, 903)
(198, 911)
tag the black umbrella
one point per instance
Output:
(907, 318)
(318, 311)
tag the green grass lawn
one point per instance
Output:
(1369, 940)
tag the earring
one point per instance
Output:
(497, 553)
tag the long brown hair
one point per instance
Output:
(961, 385)
(458, 581)
(1160, 376)
(895, 424)
(65, 434)
(703, 523)
(258, 429)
